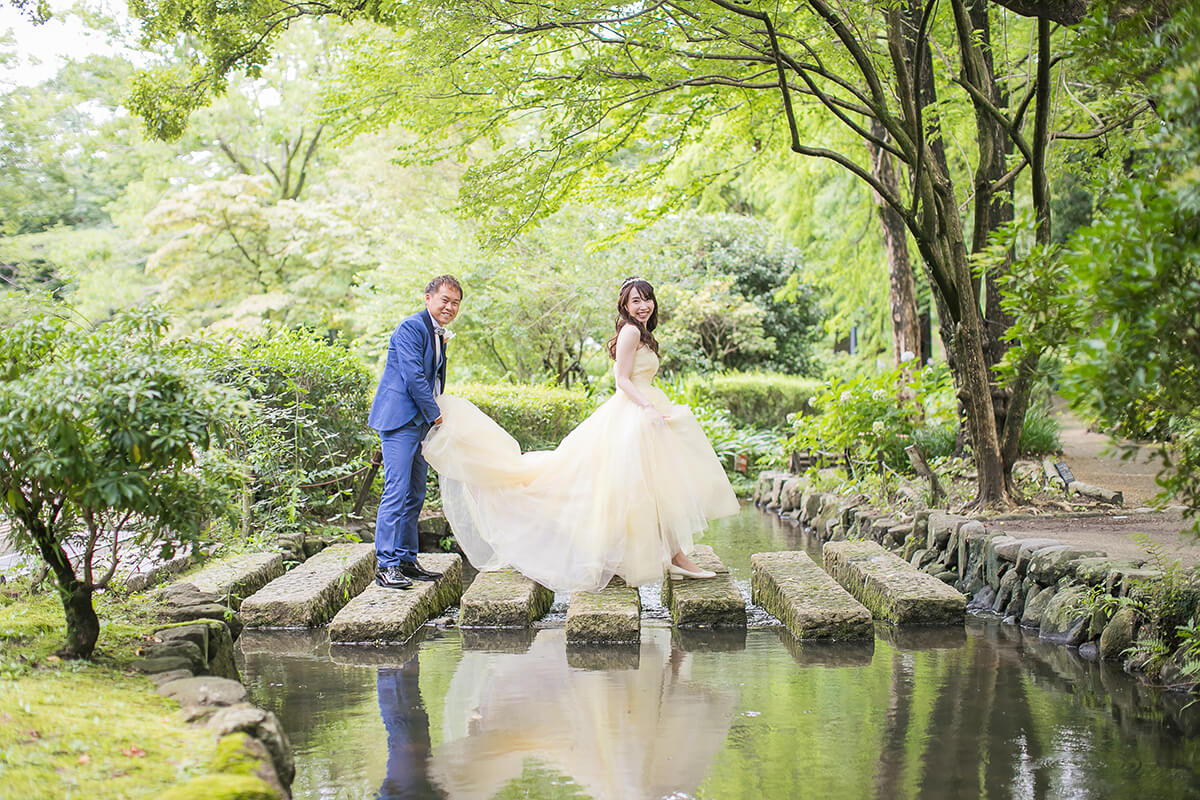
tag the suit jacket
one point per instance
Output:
(405, 392)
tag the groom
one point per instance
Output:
(405, 408)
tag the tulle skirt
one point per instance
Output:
(619, 496)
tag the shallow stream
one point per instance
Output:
(980, 711)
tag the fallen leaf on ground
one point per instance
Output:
(85, 758)
(133, 751)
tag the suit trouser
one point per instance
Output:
(404, 471)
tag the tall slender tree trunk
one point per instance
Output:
(906, 329)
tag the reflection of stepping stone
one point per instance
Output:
(504, 599)
(711, 602)
(892, 588)
(797, 592)
(827, 653)
(394, 615)
(613, 614)
(498, 640)
(235, 578)
(709, 640)
(314, 591)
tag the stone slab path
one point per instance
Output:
(380, 615)
(712, 602)
(611, 615)
(503, 599)
(236, 577)
(795, 590)
(890, 587)
(313, 592)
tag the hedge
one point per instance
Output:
(755, 399)
(538, 417)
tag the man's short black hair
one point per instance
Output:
(444, 280)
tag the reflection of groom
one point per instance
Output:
(405, 408)
(407, 725)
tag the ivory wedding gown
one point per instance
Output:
(620, 495)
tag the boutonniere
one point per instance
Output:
(447, 335)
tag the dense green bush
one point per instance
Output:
(864, 417)
(538, 417)
(305, 438)
(754, 399)
(874, 417)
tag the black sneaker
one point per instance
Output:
(392, 578)
(411, 569)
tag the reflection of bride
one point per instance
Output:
(619, 734)
(623, 494)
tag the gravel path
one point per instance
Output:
(1093, 459)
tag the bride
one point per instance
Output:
(623, 494)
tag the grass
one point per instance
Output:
(92, 729)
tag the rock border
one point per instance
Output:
(1043, 585)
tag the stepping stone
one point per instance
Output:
(711, 603)
(613, 614)
(504, 599)
(892, 588)
(313, 592)
(797, 592)
(394, 615)
(234, 578)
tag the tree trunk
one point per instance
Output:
(83, 627)
(906, 331)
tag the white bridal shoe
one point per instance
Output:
(677, 572)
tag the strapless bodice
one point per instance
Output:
(645, 366)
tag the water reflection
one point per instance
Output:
(407, 724)
(982, 711)
(640, 729)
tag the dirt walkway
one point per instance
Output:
(1092, 459)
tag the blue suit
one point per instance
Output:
(403, 411)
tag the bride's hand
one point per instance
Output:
(655, 417)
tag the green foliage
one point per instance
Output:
(53, 173)
(1167, 602)
(538, 417)
(1135, 271)
(304, 438)
(873, 418)
(105, 430)
(753, 399)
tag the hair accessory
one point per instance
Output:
(628, 281)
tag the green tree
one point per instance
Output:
(104, 437)
(610, 89)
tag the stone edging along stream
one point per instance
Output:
(1039, 584)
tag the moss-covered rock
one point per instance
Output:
(221, 786)
(1118, 635)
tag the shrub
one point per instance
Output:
(104, 430)
(865, 418)
(754, 399)
(538, 417)
(305, 438)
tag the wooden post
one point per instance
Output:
(917, 459)
(376, 460)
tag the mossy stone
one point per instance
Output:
(223, 786)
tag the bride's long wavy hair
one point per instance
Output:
(623, 318)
